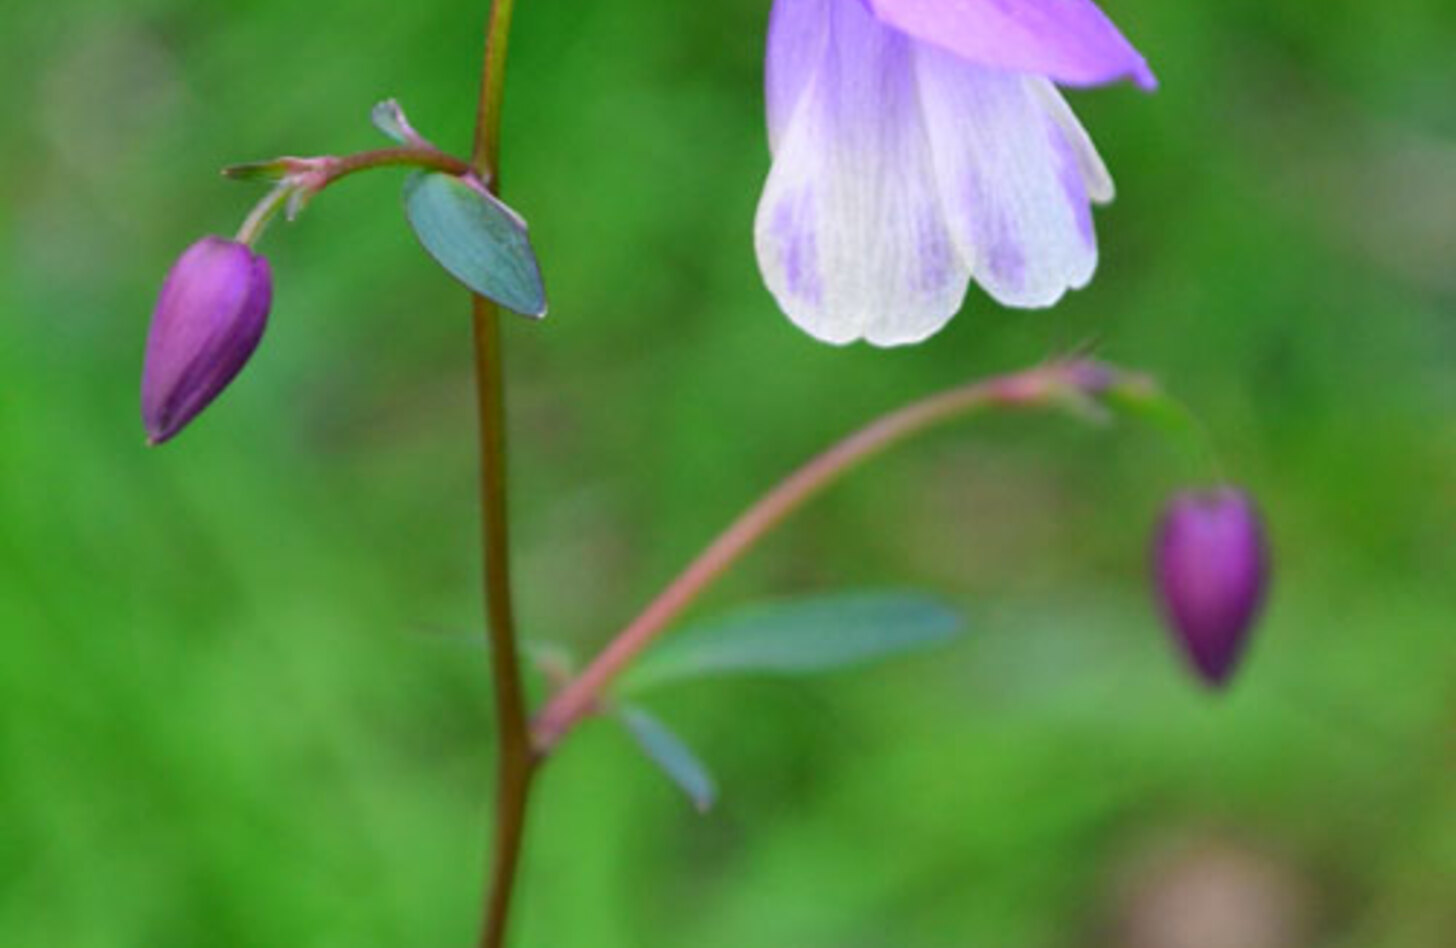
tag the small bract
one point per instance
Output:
(209, 318)
(1211, 564)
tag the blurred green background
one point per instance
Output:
(241, 702)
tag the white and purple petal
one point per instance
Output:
(850, 232)
(1095, 175)
(1015, 175)
(1071, 42)
(797, 33)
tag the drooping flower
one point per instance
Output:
(209, 318)
(918, 144)
(1211, 566)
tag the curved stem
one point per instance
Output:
(320, 172)
(301, 178)
(1061, 383)
(408, 155)
(516, 761)
(264, 211)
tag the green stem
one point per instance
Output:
(264, 211)
(516, 761)
(486, 153)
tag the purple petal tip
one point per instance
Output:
(1071, 42)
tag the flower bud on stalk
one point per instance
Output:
(1211, 565)
(208, 320)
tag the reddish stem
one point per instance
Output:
(1054, 383)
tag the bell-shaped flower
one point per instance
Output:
(918, 144)
(1211, 565)
(209, 318)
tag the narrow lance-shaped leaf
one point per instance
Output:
(675, 758)
(798, 637)
(275, 169)
(477, 239)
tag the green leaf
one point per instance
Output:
(668, 752)
(389, 118)
(799, 637)
(477, 239)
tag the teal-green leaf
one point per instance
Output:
(671, 755)
(798, 637)
(389, 118)
(477, 239)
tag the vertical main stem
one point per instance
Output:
(486, 153)
(516, 760)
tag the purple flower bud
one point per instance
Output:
(210, 315)
(1211, 565)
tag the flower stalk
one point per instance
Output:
(299, 180)
(315, 174)
(1077, 384)
(263, 213)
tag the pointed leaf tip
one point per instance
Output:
(671, 755)
(477, 238)
(273, 170)
(388, 116)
